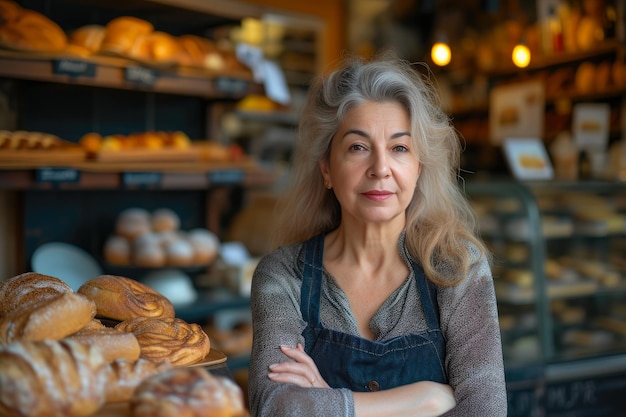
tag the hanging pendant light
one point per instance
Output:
(521, 55)
(440, 54)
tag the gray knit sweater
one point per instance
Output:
(468, 317)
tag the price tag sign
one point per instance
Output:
(141, 179)
(57, 175)
(74, 68)
(226, 176)
(231, 85)
(140, 75)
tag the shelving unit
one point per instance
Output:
(561, 287)
(76, 200)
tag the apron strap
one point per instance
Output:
(428, 292)
(312, 279)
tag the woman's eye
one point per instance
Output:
(356, 147)
(400, 148)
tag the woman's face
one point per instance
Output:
(373, 167)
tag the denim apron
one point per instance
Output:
(347, 361)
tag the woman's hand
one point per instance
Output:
(302, 371)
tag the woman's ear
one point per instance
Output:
(323, 164)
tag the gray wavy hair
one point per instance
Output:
(440, 225)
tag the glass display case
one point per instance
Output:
(560, 276)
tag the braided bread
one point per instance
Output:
(51, 378)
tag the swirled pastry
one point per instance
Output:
(168, 339)
(121, 298)
(50, 378)
(187, 392)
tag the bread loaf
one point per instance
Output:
(29, 288)
(52, 318)
(187, 392)
(51, 379)
(115, 344)
(169, 339)
(89, 37)
(122, 33)
(121, 298)
(32, 31)
(123, 376)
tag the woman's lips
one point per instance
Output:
(376, 195)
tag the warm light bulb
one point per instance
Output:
(440, 54)
(521, 56)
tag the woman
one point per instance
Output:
(380, 299)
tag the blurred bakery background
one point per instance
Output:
(151, 138)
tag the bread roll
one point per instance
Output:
(53, 318)
(32, 31)
(132, 223)
(122, 32)
(206, 245)
(29, 288)
(169, 339)
(124, 375)
(187, 392)
(179, 252)
(115, 344)
(165, 220)
(9, 11)
(89, 37)
(117, 250)
(121, 298)
(50, 378)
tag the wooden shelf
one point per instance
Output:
(159, 176)
(119, 73)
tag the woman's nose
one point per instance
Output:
(379, 165)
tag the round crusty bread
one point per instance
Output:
(51, 378)
(53, 318)
(32, 31)
(121, 298)
(169, 339)
(187, 392)
(29, 288)
(114, 344)
(123, 376)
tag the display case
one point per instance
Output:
(560, 279)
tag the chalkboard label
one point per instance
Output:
(598, 396)
(74, 68)
(226, 176)
(140, 75)
(231, 85)
(141, 179)
(57, 175)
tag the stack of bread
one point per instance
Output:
(66, 353)
(94, 142)
(31, 140)
(136, 39)
(154, 240)
(28, 30)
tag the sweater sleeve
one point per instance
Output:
(469, 320)
(276, 318)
